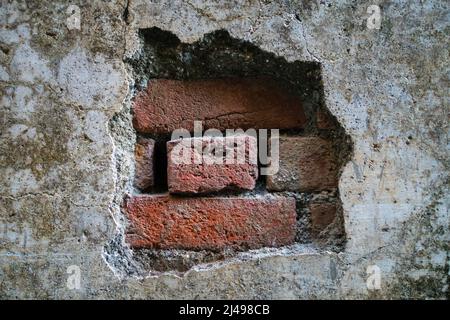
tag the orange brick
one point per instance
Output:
(208, 176)
(168, 222)
(228, 103)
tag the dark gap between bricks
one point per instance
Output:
(219, 56)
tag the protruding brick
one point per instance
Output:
(144, 160)
(305, 164)
(322, 214)
(227, 103)
(212, 164)
(168, 222)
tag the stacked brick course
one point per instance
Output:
(167, 222)
(198, 212)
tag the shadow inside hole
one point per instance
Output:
(217, 55)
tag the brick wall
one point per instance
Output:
(210, 206)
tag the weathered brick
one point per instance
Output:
(322, 214)
(220, 103)
(144, 160)
(168, 222)
(305, 164)
(226, 163)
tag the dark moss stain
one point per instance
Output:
(46, 216)
(102, 28)
(423, 229)
(46, 149)
(52, 38)
(30, 279)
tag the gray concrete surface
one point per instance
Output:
(65, 159)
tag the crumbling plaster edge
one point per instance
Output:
(133, 48)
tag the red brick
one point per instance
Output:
(144, 158)
(220, 103)
(305, 164)
(168, 222)
(324, 120)
(322, 214)
(210, 176)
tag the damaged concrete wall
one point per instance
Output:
(66, 147)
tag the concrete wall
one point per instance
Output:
(66, 141)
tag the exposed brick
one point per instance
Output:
(322, 214)
(220, 103)
(306, 164)
(215, 173)
(324, 120)
(144, 160)
(168, 222)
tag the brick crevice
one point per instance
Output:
(222, 207)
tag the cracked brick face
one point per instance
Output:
(223, 104)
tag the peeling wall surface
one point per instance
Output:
(66, 147)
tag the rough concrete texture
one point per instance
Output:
(67, 153)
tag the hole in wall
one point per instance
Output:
(216, 57)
